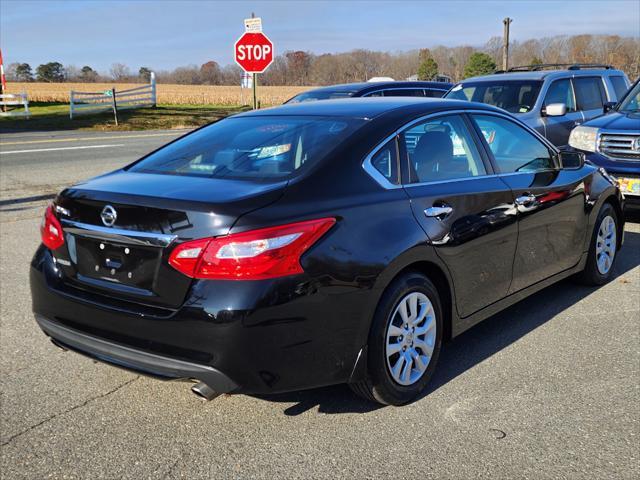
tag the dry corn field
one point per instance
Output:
(167, 93)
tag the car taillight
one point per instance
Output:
(51, 230)
(253, 255)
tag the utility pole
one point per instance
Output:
(505, 44)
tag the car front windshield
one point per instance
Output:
(631, 103)
(320, 95)
(514, 96)
(254, 148)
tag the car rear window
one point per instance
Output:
(511, 95)
(256, 148)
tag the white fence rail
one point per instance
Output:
(14, 100)
(95, 102)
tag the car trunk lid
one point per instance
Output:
(120, 229)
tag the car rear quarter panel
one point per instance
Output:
(600, 189)
(375, 237)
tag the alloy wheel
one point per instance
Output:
(410, 339)
(606, 244)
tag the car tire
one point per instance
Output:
(603, 248)
(417, 320)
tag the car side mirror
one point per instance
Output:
(555, 110)
(571, 160)
(608, 106)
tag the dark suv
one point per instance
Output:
(613, 142)
(375, 89)
(552, 99)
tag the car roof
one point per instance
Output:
(541, 75)
(363, 86)
(368, 107)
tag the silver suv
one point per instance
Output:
(553, 98)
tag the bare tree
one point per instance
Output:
(210, 73)
(71, 73)
(304, 68)
(120, 72)
(189, 75)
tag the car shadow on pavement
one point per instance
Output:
(473, 346)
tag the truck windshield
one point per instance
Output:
(255, 148)
(631, 103)
(511, 95)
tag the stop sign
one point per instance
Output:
(254, 52)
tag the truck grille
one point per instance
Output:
(619, 146)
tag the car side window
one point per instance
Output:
(561, 91)
(441, 149)
(619, 86)
(385, 161)
(434, 93)
(404, 92)
(514, 148)
(589, 93)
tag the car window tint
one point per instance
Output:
(561, 91)
(385, 161)
(442, 149)
(589, 93)
(514, 148)
(432, 93)
(619, 86)
(404, 92)
(514, 96)
(319, 95)
(631, 102)
(462, 92)
(256, 148)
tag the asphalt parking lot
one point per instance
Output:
(549, 388)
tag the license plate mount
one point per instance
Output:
(129, 265)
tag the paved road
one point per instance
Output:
(33, 164)
(549, 388)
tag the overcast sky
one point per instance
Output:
(165, 34)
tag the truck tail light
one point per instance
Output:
(51, 230)
(254, 255)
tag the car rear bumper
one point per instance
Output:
(242, 337)
(157, 366)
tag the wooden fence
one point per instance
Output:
(95, 102)
(14, 100)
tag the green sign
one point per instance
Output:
(108, 93)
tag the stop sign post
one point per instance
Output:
(254, 53)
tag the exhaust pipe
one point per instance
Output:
(204, 391)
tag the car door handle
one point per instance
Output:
(439, 211)
(526, 199)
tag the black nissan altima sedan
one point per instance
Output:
(312, 244)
